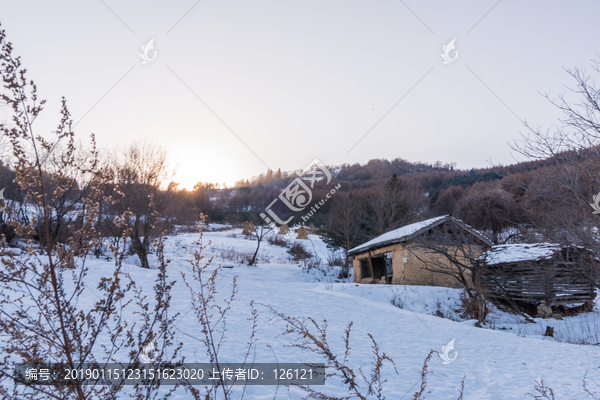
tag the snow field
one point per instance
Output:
(496, 363)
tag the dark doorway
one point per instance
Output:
(382, 267)
(378, 264)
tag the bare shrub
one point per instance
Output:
(312, 263)
(475, 304)
(344, 272)
(311, 337)
(461, 391)
(212, 313)
(42, 311)
(187, 229)
(276, 240)
(397, 299)
(585, 330)
(299, 252)
(329, 282)
(593, 395)
(543, 391)
(237, 256)
(6, 229)
(335, 259)
(441, 309)
(425, 373)
(211, 228)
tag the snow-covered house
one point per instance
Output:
(527, 274)
(393, 256)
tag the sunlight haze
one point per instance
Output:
(239, 87)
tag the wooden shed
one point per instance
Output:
(527, 274)
(393, 257)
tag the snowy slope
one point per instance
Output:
(497, 364)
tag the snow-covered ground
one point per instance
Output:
(500, 362)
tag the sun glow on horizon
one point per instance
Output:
(187, 178)
(208, 166)
(188, 182)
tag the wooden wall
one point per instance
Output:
(408, 269)
(556, 281)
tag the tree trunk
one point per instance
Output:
(255, 253)
(141, 251)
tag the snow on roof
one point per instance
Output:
(399, 234)
(509, 253)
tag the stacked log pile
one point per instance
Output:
(563, 277)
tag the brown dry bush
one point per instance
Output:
(212, 314)
(277, 240)
(41, 293)
(311, 337)
(543, 391)
(299, 252)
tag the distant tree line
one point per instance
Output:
(373, 198)
(544, 198)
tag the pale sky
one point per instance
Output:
(237, 86)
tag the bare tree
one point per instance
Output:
(260, 233)
(448, 198)
(138, 173)
(448, 249)
(562, 192)
(487, 207)
(342, 225)
(387, 208)
(41, 308)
